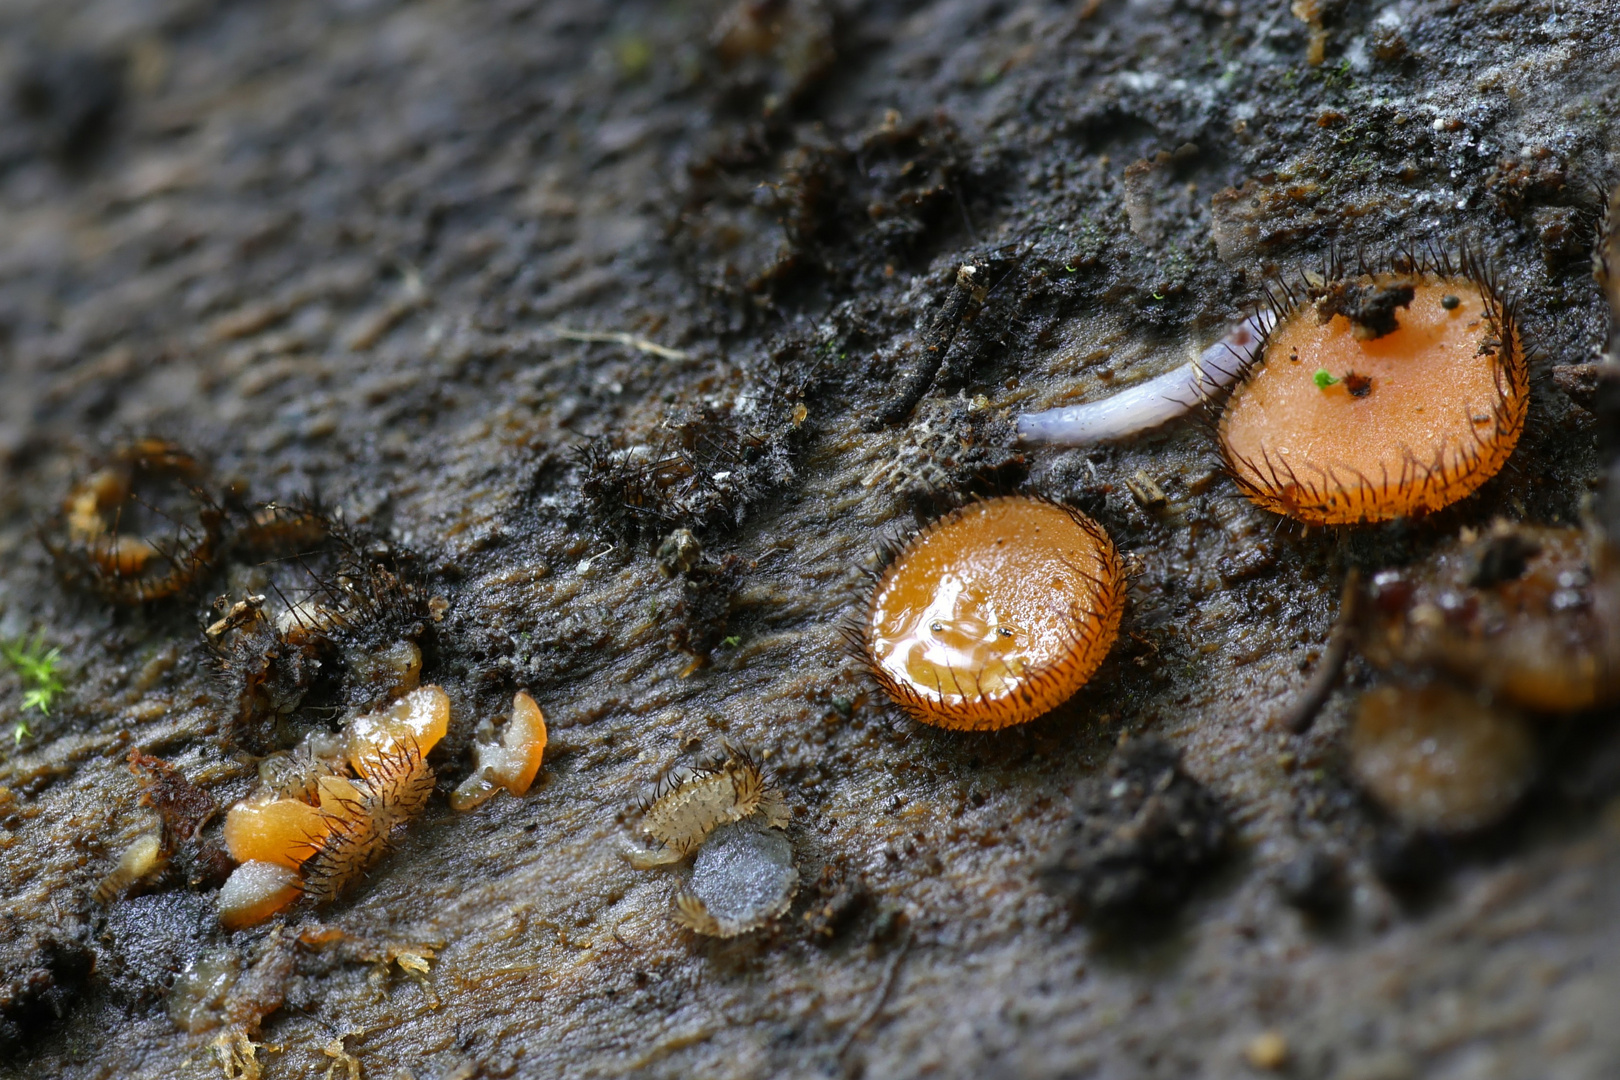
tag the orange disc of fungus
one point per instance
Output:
(1391, 395)
(280, 831)
(995, 613)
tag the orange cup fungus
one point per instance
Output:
(298, 838)
(995, 613)
(511, 763)
(1387, 395)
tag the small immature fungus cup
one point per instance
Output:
(1440, 759)
(511, 763)
(1386, 395)
(995, 613)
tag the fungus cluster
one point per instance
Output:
(1526, 612)
(324, 815)
(995, 613)
(1504, 625)
(1379, 396)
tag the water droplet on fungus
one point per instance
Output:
(1438, 759)
(512, 763)
(1045, 572)
(1401, 437)
(742, 878)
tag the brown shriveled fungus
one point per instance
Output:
(1386, 395)
(141, 527)
(995, 613)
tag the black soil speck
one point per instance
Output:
(1142, 833)
(1370, 308)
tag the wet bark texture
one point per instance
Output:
(523, 287)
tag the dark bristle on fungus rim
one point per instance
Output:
(1382, 393)
(995, 613)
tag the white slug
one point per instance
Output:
(1151, 403)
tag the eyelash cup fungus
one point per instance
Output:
(995, 614)
(1380, 396)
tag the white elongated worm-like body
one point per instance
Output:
(1149, 404)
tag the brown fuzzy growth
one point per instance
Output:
(396, 784)
(354, 844)
(337, 605)
(686, 810)
(1401, 391)
(995, 613)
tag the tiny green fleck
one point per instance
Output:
(730, 642)
(1158, 296)
(1323, 379)
(634, 55)
(1070, 269)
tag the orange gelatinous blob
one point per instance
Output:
(524, 743)
(255, 891)
(1338, 426)
(340, 798)
(995, 613)
(416, 722)
(512, 763)
(280, 831)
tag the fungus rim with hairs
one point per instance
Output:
(1381, 392)
(1013, 602)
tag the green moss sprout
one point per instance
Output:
(39, 668)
